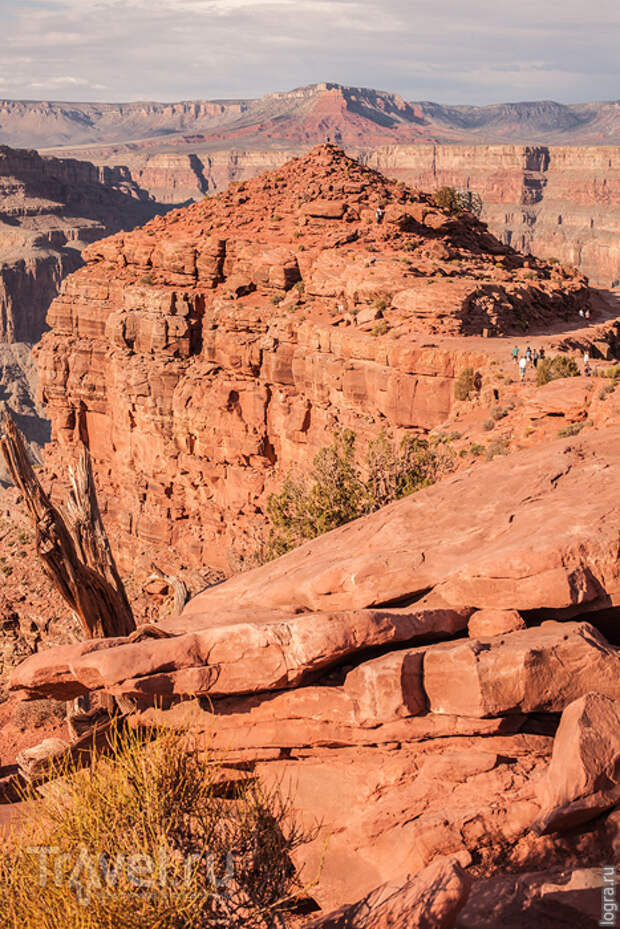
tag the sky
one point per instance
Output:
(449, 51)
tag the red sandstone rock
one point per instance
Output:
(205, 355)
(530, 671)
(583, 778)
(494, 622)
(540, 534)
(430, 899)
(228, 659)
(387, 688)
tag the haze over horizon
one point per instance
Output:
(168, 50)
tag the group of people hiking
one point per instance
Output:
(529, 357)
(534, 356)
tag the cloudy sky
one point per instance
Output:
(451, 51)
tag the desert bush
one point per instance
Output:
(488, 425)
(497, 447)
(465, 384)
(572, 429)
(277, 298)
(559, 366)
(380, 329)
(456, 201)
(340, 490)
(151, 835)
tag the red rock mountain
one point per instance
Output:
(203, 355)
(307, 114)
(436, 684)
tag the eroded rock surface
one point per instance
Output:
(208, 353)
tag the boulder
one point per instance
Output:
(387, 688)
(430, 899)
(484, 623)
(583, 778)
(537, 670)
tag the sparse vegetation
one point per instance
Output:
(496, 447)
(155, 834)
(340, 490)
(572, 429)
(549, 369)
(380, 329)
(457, 202)
(465, 384)
(277, 298)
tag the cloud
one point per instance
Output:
(476, 52)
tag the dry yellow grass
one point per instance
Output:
(153, 835)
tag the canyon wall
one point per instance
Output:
(49, 210)
(204, 355)
(552, 202)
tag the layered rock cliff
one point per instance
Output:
(549, 201)
(205, 354)
(49, 210)
(553, 202)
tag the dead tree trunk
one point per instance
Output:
(72, 543)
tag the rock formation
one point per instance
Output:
(222, 344)
(49, 210)
(344, 671)
(437, 684)
(306, 115)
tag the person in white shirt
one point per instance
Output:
(522, 366)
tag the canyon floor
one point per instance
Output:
(437, 683)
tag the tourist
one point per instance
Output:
(515, 354)
(535, 358)
(522, 367)
(528, 353)
(586, 359)
(541, 354)
(581, 312)
(588, 313)
(379, 214)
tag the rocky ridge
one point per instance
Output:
(306, 115)
(224, 343)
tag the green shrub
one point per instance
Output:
(465, 384)
(476, 449)
(155, 834)
(549, 369)
(277, 298)
(457, 202)
(488, 424)
(339, 490)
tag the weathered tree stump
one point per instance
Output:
(72, 542)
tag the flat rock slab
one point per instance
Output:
(430, 899)
(540, 534)
(537, 670)
(225, 660)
